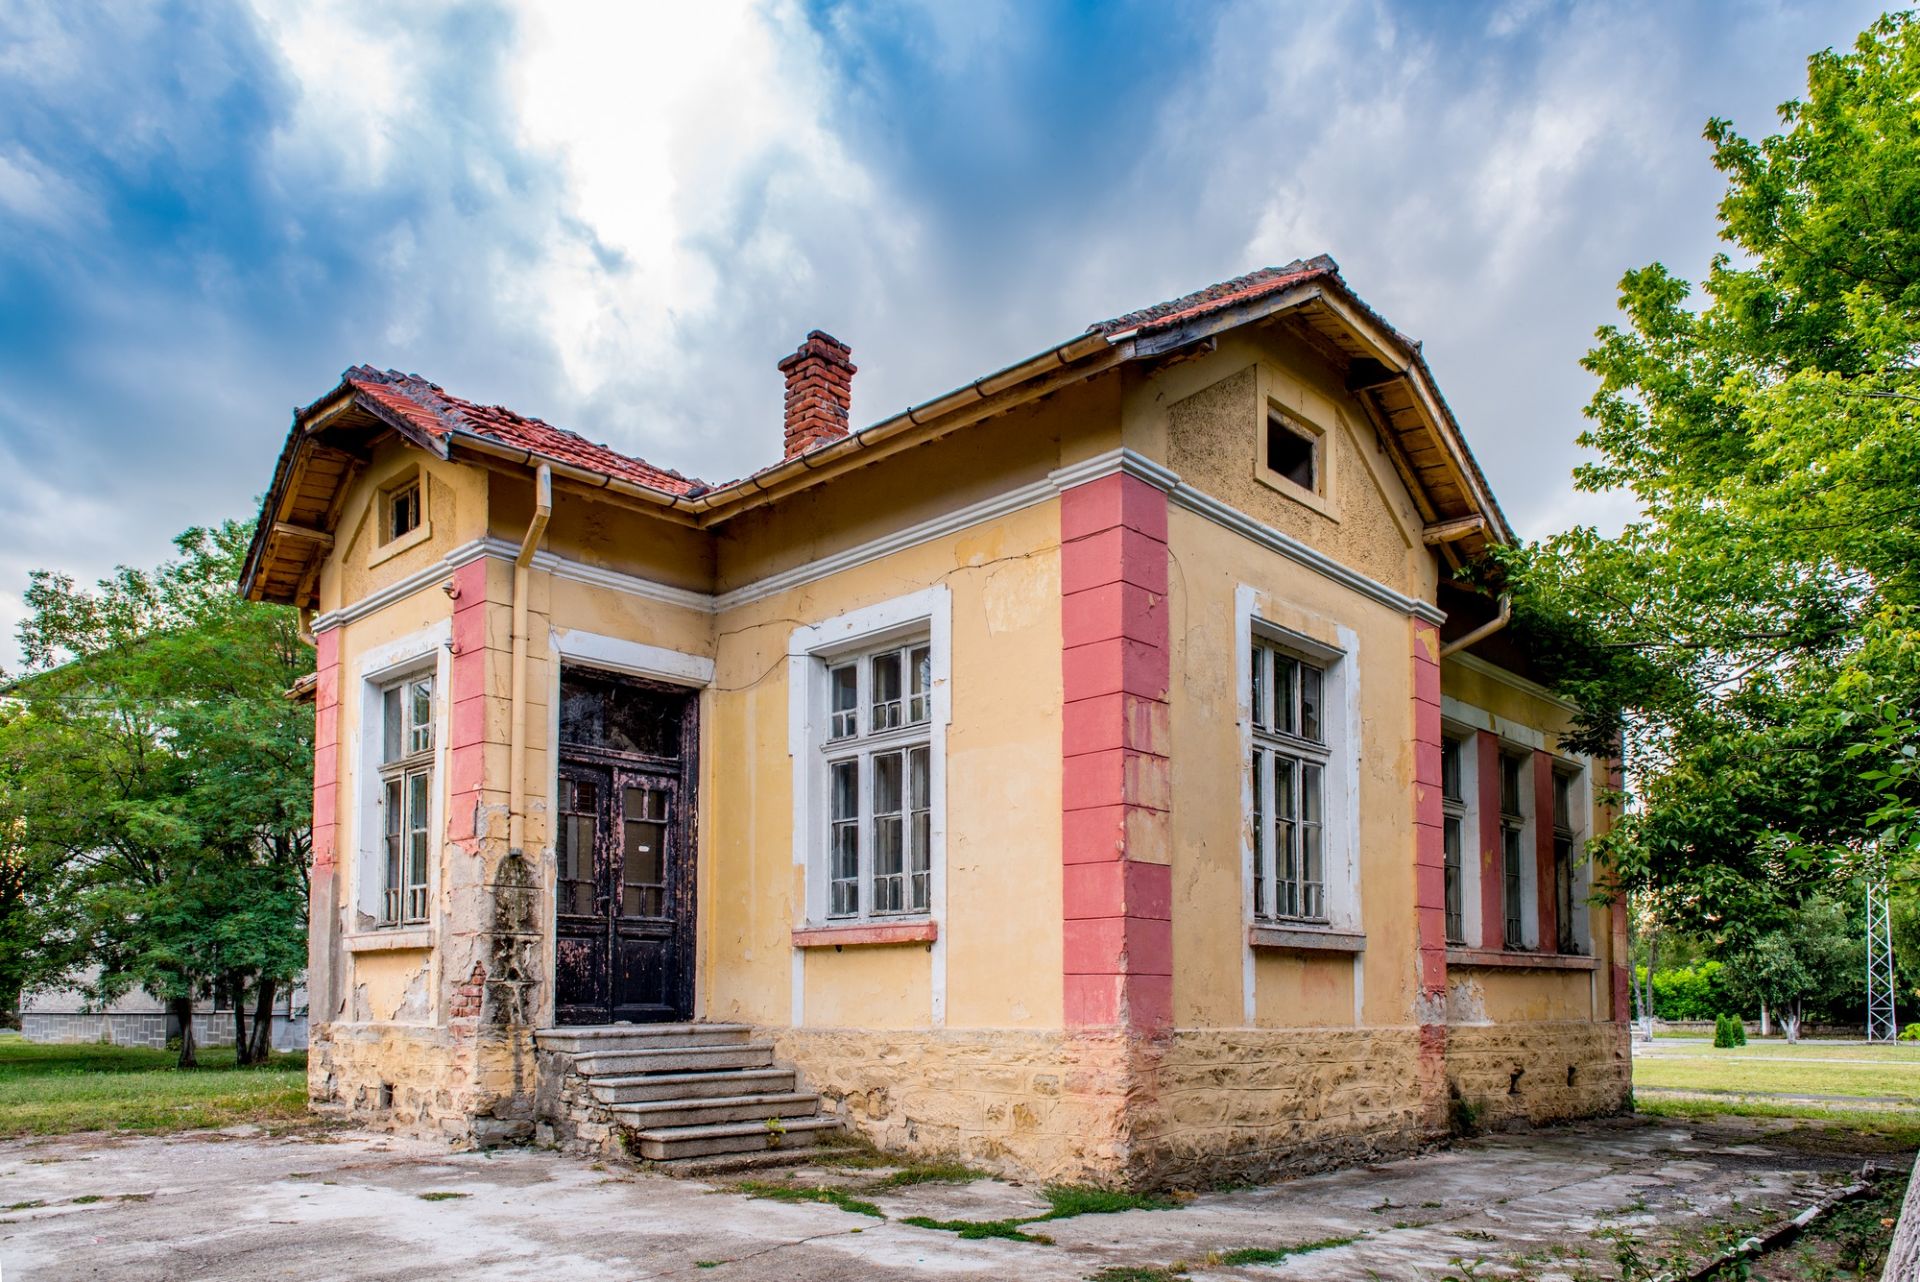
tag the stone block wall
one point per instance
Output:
(118, 1029)
(427, 1081)
(1537, 1072)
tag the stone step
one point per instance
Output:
(714, 1112)
(694, 1168)
(667, 1143)
(680, 1086)
(588, 1038)
(673, 1059)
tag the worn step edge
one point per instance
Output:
(729, 1130)
(672, 1059)
(752, 1139)
(648, 1087)
(717, 1109)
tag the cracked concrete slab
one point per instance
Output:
(1545, 1205)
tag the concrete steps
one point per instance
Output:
(685, 1095)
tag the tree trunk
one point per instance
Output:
(1791, 1018)
(1646, 989)
(237, 994)
(183, 1011)
(262, 1023)
(1765, 1027)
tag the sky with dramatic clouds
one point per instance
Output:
(618, 217)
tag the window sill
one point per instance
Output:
(1502, 959)
(866, 935)
(1305, 939)
(411, 939)
(411, 539)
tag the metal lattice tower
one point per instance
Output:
(1881, 1025)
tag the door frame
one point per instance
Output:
(636, 663)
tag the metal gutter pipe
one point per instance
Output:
(1485, 630)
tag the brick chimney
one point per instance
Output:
(819, 390)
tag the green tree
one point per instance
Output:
(159, 780)
(1815, 959)
(1752, 639)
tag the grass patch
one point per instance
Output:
(1900, 1128)
(23, 1206)
(926, 1173)
(808, 1193)
(1731, 1070)
(442, 1197)
(1138, 1273)
(1275, 1254)
(1069, 1200)
(55, 1090)
(976, 1229)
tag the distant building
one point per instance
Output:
(1097, 772)
(139, 1019)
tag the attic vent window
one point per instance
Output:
(403, 510)
(1292, 453)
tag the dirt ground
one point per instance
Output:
(1553, 1204)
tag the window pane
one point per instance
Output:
(845, 702)
(1261, 908)
(1510, 785)
(920, 702)
(420, 716)
(1257, 699)
(1309, 703)
(1450, 842)
(1313, 878)
(884, 673)
(643, 854)
(1450, 769)
(889, 844)
(843, 875)
(394, 733)
(1510, 866)
(1286, 850)
(1562, 802)
(1286, 694)
(395, 828)
(920, 832)
(574, 852)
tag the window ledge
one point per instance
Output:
(412, 939)
(1502, 959)
(411, 539)
(866, 934)
(1306, 939)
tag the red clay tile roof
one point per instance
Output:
(433, 410)
(1240, 289)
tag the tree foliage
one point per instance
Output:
(1753, 636)
(157, 780)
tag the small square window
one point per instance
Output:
(402, 511)
(1292, 453)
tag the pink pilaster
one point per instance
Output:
(1493, 911)
(1547, 903)
(326, 749)
(1118, 889)
(1429, 845)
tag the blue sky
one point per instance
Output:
(619, 217)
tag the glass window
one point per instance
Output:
(1292, 452)
(406, 798)
(403, 510)
(1453, 805)
(879, 782)
(1286, 700)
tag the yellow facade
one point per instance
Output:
(1279, 1051)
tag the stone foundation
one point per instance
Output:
(1538, 1072)
(1201, 1106)
(425, 1081)
(566, 1115)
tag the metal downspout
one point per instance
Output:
(1485, 630)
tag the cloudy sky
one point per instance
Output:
(619, 217)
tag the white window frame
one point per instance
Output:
(1465, 810)
(812, 654)
(1340, 802)
(1285, 748)
(1521, 821)
(420, 654)
(406, 811)
(1579, 775)
(860, 743)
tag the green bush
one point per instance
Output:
(1911, 1033)
(1728, 1030)
(1686, 992)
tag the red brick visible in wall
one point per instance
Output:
(1493, 910)
(1430, 857)
(1544, 897)
(1118, 928)
(466, 702)
(326, 748)
(469, 997)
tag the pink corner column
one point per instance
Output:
(326, 749)
(1430, 852)
(1118, 907)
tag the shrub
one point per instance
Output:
(1728, 1030)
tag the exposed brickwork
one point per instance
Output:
(469, 996)
(819, 392)
(1116, 782)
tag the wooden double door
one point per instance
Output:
(624, 852)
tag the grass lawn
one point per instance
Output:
(47, 1090)
(1805, 1074)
